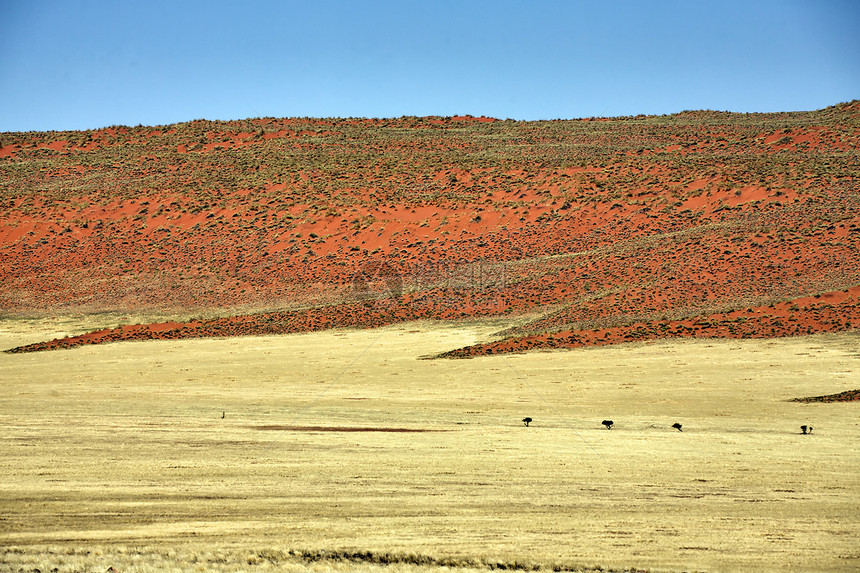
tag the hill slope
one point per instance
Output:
(298, 224)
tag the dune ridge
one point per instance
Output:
(597, 229)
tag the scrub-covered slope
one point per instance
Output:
(585, 226)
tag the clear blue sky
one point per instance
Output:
(81, 64)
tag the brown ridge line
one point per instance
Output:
(347, 315)
(365, 314)
(847, 396)
(821, 313)
(828, 312)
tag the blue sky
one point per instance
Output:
(83, 64)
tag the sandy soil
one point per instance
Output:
(171, 450)
(161, 446)
(628, 217)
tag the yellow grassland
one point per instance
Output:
(118, 455)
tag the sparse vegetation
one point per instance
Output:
(120, 458)
(693, 198)
(713, 227)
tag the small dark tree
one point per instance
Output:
(527, 421)
(677, 426)
(608, 424)
(803, 429)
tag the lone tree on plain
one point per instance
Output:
(608, 424)
(527, 421)
(677, 426)
(806, 429)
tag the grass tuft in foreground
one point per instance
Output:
(146, 559)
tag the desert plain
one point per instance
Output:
(289, 344)
(349, 449)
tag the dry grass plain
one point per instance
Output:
(118, 455)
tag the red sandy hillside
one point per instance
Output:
(830, 312)
(589, 226)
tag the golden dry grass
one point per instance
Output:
(118, 455)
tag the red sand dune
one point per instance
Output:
(601, 231)
(847, 396)
(829, 312)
